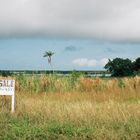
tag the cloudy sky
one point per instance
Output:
(82, 33)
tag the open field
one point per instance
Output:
(51, 107)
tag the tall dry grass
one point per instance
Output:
(87, 97)
(79, 107)
(54, 83)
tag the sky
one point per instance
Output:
(84, 34)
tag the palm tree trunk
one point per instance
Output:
(52, 68)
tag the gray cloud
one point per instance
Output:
(113, 50)
(114, 20)
(72, 48)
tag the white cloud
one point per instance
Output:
(85, 62)
(116, 20)
(80, 61)
(90, 62)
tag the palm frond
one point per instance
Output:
(45, 55)
(48, 54)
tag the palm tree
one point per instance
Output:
(49, 54)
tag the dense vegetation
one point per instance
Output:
(74, 107)
(123, 67)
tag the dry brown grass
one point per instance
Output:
(79, 107)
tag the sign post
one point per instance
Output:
(7, 87)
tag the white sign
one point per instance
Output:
(7, 87)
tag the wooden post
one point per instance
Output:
(12, 103)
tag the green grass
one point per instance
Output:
(34, 128)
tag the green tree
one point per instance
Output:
(120, 67)
(49, 55)
(136, 64)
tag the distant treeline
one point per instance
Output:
(116, 67)
(58, 72)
